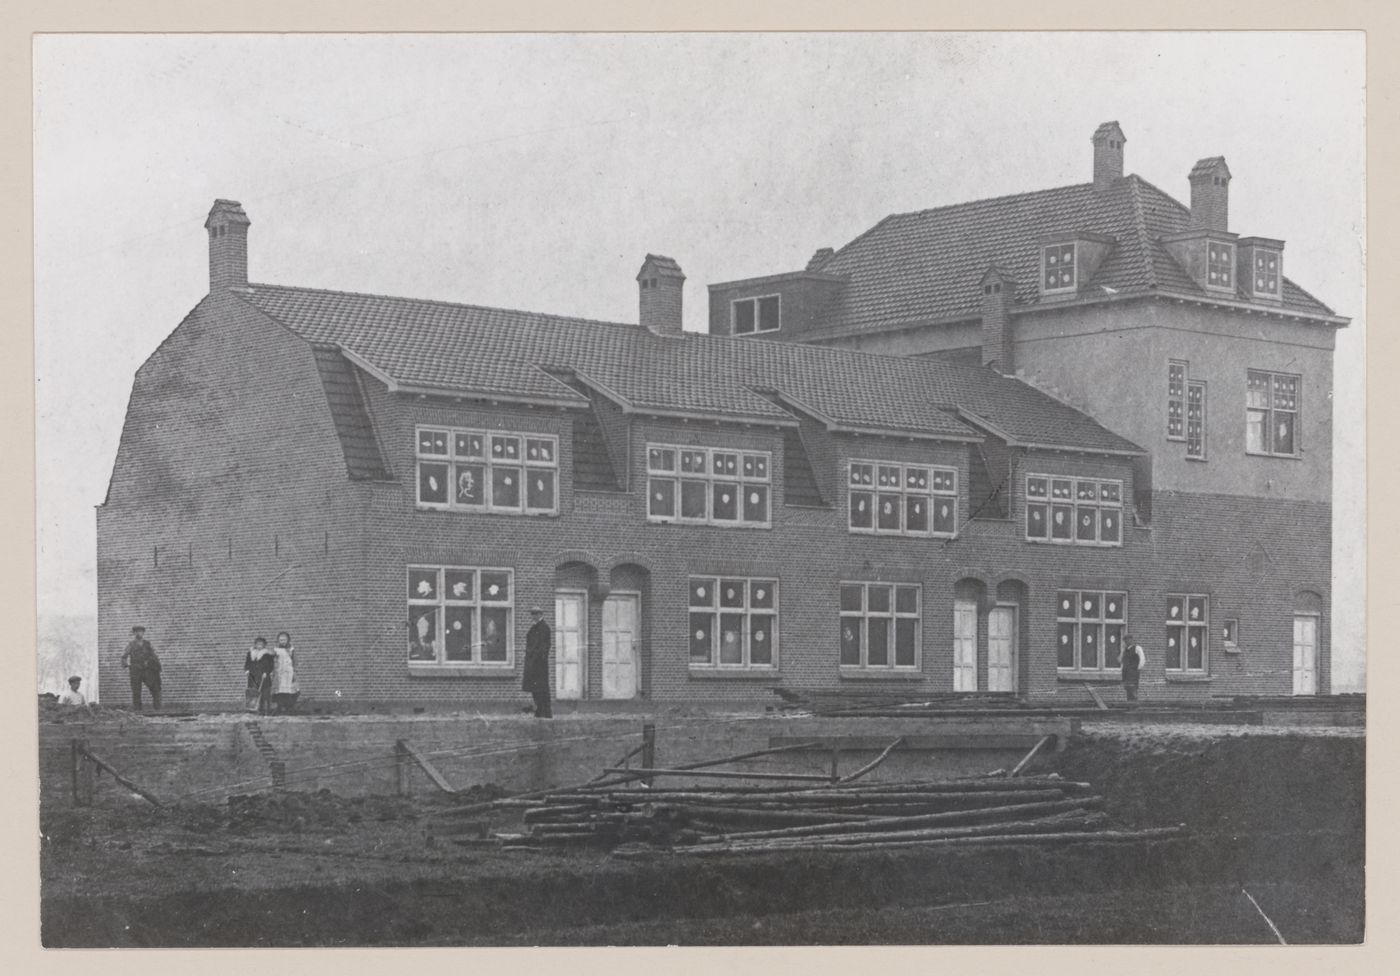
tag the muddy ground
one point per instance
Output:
(1278, 813)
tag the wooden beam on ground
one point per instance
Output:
(1095, 695)
(727, 774)
(412, 752)
(1029, 756)
(938, 741)
(873, 763)
(104, 764)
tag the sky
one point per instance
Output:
(536, 171)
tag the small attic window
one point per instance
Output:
(1220, 264)
(1266, 272)
(751, 315)
(1057, 263)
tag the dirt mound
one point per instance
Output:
(52, 713)
(1236, 783)
(321, 810)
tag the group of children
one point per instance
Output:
(272, 676)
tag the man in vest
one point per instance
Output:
(1134, 660)
(144, 667)
(536, 680)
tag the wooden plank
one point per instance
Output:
(952, 740)
(873, 763)
(1030, 755)
(726, 774)
(1095, 695)
(121, 779)
(427, 767)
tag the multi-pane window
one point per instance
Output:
(1089, 630)
(1176, 400)
(488, 471)
(460, 615)
(1266, 272)
(1271, 413)
(879, 625)
(707, 485)
(1057, 266)
(1188, 629)
(1220, 264)
(1074, 511)
(903, 499)
(1196, 420)
(756, 314)
(733, 622)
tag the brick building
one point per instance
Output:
(994, 439)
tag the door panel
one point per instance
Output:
(621, 618)
(1001, 649)
(1304, 655)
(570, 639)
(964, 645)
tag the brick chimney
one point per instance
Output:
(998, 296)
(819, 258)
(1108, 155)
(1210, 194)
(228, 245)
(659, 295)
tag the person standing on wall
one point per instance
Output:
(284, 674)
(144, 668)
(259, 664)
(1134, 660)
(536, 680)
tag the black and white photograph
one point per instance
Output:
(701, 489)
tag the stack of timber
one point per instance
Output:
(636, 821)
(853, 702)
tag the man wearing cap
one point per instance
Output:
(536, 680)
(73, 696)
(1134, 660)
(140, 658)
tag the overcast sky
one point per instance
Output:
(536, 171)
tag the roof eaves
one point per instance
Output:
(1282, 311)
(1012, 441)
(841, 427)
(638, 408)
(425, 389)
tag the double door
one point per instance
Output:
(618, 645)
(1001, 647)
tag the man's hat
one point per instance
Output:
(74, 680)
(537, 609)
(138, 629)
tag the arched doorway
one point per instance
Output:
(1307, 638)
(968, 596)
(1004, 637)
(575, 580)
(623, 671)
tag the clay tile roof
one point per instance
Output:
(661, 264)
(927, 266)
(476, 350)
(1209, 167)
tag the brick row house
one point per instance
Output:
(969, 451)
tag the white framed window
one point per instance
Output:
(1267, 277)
(1220, 265)
(1196, 420)
(733, 623)
(1230, 633)
(1074, 511)
(761, 314)
(880, 626)
(461, 615)
(1176, 400)
(487, 471)
(902, 499)
(708, 486)
(1058, 268)
(1272, 402)
(1188, 634)
(1089, 628)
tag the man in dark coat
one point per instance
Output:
(1133, 660)
(536, 681)
(144, 666)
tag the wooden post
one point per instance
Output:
(648, 750)
(401, 767)
(82, 774)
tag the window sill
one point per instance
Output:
(1276, 457)
(423, 670)
(450, 510)
(1189, 679)
(734, 674)
(683, 524)
(1073, 542)
(1106, 677)
(855, 674)
(1231, 649)
(1196, 459)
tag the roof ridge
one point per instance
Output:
(985, 200)
(1140, 223)
(446, 304)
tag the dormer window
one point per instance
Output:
(1220, 265)
(1266, 272)
(1057, 264)
(752, 315)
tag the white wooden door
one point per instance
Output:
(1304, 655)
(570, 638)
(621, 618)
(1001, 649)
(964, 645)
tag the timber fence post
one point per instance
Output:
(648, 750)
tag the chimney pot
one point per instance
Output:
(998, 295)
(659, 286)
(1210, 194)
(227, 225)
(1108, 155)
